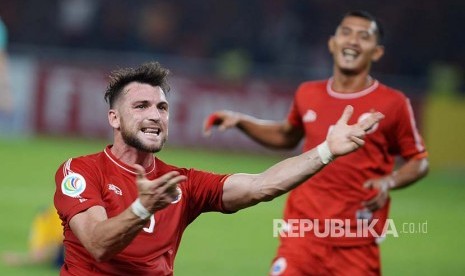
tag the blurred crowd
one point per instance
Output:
(282, 33)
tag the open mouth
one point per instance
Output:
(350, 54)
(151, 131)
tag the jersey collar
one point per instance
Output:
(125, 166)
(353, 95)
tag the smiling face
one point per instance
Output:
(140, 117)
(355, 46)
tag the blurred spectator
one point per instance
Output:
(6, 99)
(75, 19)
(45, 242)
(279, 34)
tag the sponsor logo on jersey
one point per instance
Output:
(310, 116)
(178, 198)
(278, 266)
(73, 185)
(116, 189)
(364, 116)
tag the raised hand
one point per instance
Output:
(158, 193)
(223, 119)
(344, 138)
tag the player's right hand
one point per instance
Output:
(223, 119)
(158, 193)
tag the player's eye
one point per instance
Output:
(345, 31)
(140, 106)
(163, 107)
(365, 36)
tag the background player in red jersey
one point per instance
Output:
(124, 210)
(356, 186)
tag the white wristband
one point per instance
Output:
(325, 154)
(139, 210)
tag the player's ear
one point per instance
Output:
(113, 118)
(331, 44)
(378, 53)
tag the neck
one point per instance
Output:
(345, 83)
(131, 155)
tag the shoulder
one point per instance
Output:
(392, 92)
(87, 163)
(318, 86)
(162, 167)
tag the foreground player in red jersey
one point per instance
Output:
(124, 210)
(352, 188)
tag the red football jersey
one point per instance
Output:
(337, 191)
(101, 179)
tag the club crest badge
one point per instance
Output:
(178, 198)
(73, 185)
(278, 266)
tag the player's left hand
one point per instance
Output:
(382, 185)
(344, 138)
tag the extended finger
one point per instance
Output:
(371, 120)
(348, 111)
(171, 185)
(168, 182)
(164, 179)
(358, 141)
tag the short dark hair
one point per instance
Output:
(368, 16)
(151, 73)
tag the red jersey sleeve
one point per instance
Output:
(294, 117)
(407, 141)
(77, 188)
(205, 192)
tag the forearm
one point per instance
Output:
(288, 174)
(275, 181)
(103, 237)
(272, 134)
(113, 235)
(413, 170)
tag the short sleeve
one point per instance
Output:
(205, 192)
(294, 117)
(408, 141)
(77, 188)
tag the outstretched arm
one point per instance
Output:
(244, 190)
(272, 134)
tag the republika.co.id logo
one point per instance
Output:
(335, 228)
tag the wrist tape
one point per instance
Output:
(139, 210)
(325, 154)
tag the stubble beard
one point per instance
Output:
(132, 140)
